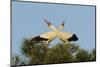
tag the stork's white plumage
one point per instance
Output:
(49, 36)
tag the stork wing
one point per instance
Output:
(67, 36)
(46, 36)
(49, 24)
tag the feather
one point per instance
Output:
(38, 38)
(73, 38)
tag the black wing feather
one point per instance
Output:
(38, 38)
(73, 38)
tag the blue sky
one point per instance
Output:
(27, 21)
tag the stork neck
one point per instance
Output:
(53, 28)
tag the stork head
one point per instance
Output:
(50, 25)
(61, 26)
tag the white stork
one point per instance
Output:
(49, 36)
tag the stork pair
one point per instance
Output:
(49, 36)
